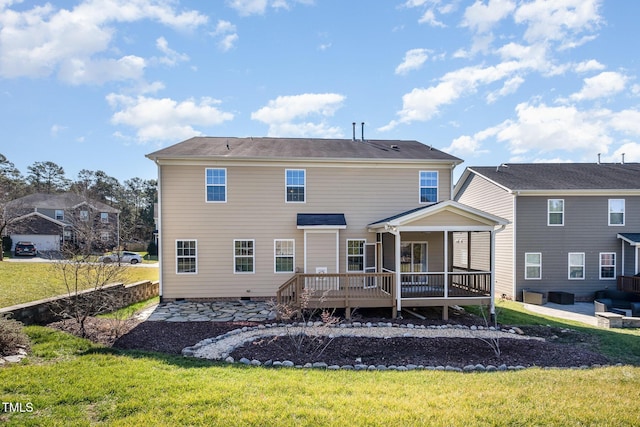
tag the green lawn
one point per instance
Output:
(69, 381)
(22, 282)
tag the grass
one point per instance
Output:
(126, 312)
(29, 281)
(70, 381)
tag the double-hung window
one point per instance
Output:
(186, 257)
(84, 216)
(428, 186)
(244, 256)
(355, 255)
(104, 217)
(576, 266)
(216, 185)
(616, 211)
(295, 185)
(555, 212)
(607, 265)
(284, 258)
(59, 214)
(533, 266)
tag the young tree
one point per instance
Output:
(47, 177)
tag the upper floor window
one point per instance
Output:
(355, 254)
(607, 265)
(284, 258)
(576, 265)
(104, 217)
(428, 186)
(59, 214)
(555, 212)
(186, 256)
(84, 215)
(295, 185)
(216, 184)
(533, 266)
(616, 211)
(244, 256)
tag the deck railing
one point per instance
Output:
(629, 284)
(459, 284)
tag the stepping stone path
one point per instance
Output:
(218, 311)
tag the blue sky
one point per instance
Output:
(98, 84)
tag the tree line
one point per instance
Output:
(135, 197)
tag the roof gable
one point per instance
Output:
(59, 201)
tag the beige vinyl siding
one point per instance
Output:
(487, 196)
(447, 219)
(256, 210)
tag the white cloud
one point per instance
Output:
(259, 7)
(482, 17)
(605, 84)
(630, 150)
(43, 40)
(429, 17)
(590, 65)
(509, 87)
(171, 57)
(413, 60)
(165, 118)
(286, 115)
(227, 34)
(56, 129)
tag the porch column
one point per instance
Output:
(636, 272)
(624, 259)
(446, 264)
(398, 272)
(492, 278)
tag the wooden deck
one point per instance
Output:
(368, 290)
(629, 284)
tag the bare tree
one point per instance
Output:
(11, 187)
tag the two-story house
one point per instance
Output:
(367, 223)
(50, 220)
(573, 226)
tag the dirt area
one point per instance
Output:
(561, 347)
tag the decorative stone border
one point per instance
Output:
(220, 347)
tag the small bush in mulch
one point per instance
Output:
(11, 336)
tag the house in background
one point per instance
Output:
(365, 223)
(50, 220)
(574, 227)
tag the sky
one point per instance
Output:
(97, 84)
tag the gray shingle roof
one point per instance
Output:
(58, 201)
(310, 220)
(564, 176)
(301, 148)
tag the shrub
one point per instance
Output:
(11, 336)
(152, 248)
(6, 243)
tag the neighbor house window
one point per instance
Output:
(616, 211)
(104, 217)
(533, 266)
(186, 256)
(84, 215)
(59, 214)
(355, 254)
(607, 265)
(216, 184)
(555, 212)
(428, 187)
(576, 265)
(244, 256)
(105, 236)
(295, 185)
(283, 252)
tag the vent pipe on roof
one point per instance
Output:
(623, 158)
(354, 131)
(598, 158)
(362, 131)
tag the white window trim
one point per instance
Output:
(624, 214)
(275, 256)
(549, 213)
(600, 265)
(84, 216)
(206, 185)
(104, 217)
(304, 186)
(526, 277)
(55, 214)
(183, 256)
(364, 242)
(253, 257)
(420, 187)
(569, 265)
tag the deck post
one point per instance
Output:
(398, 272)
(492, 277)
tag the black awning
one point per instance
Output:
(321, 220)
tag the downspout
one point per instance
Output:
(493, 272)
(394, 231)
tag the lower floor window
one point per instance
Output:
(186, 256)
(533, 265)
(284, 256)
(105, 236)
(607, 265)
(355, 255)
(244, 256)
(576, 265)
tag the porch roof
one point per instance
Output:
(316, 220)
(632, 238)
(406, 218)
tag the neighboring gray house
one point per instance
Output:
(574, 227)
(49, 220)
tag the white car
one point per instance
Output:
(121, 257)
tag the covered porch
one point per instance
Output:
(439, 255)
(629, 280)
